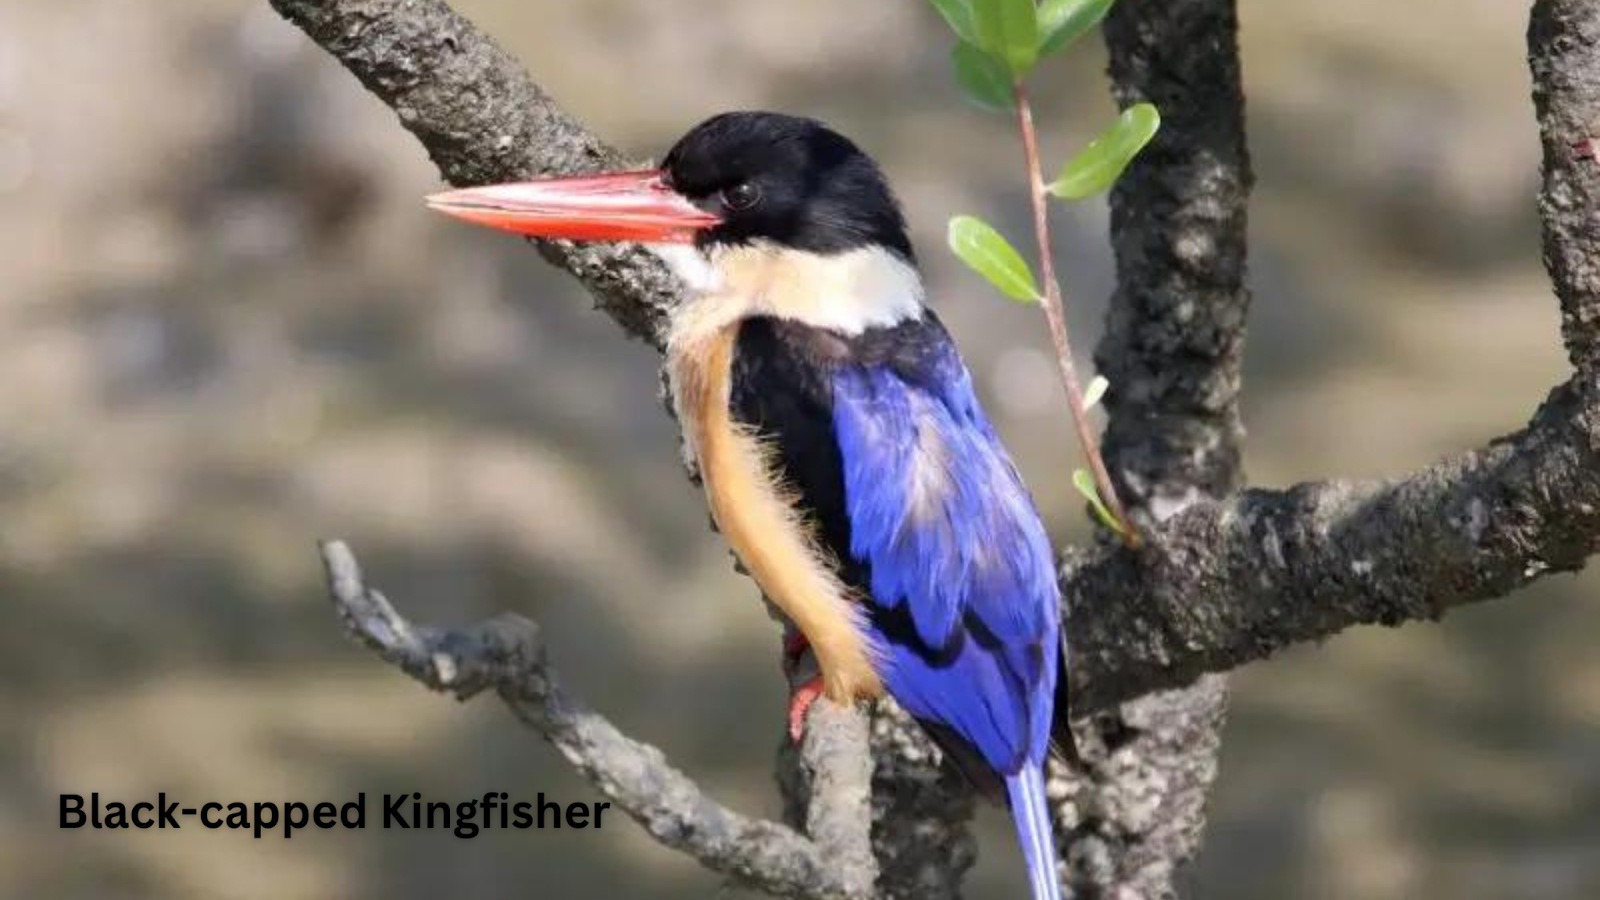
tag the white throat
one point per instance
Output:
(846, 292)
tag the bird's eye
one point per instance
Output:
(741, 196)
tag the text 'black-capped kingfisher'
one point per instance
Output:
(843, 451)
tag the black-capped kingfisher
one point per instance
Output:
(843, 451)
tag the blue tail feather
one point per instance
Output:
(1031, 811)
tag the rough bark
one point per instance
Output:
(921, 812)
(1562, 51)
(1237, 581)
(1172, 350)
(826, 783)
(483, 120)
(1174, 341)
(1225, 578)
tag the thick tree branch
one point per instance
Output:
(1174, 341)
(1563, 51)
(483, 120)
(921, 813)
(1224, 584)
(507, 655)
(1172, 351)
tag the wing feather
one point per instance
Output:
(951, 538)
(885, 443)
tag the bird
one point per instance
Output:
(839, 439)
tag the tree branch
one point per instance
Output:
(1172, 353)
(1174, 341)
(1224, 584)
(1562, 39)
(830, 791)
(483, 120)
(507, 655)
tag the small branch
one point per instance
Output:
(1056, 315)
(507, 655)
(832, 770)
(826, 781)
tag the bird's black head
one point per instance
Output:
(787, 180)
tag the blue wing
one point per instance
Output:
(883, 441)
(958, 562)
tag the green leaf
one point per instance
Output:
(1010, 30)
(958, 15)
(1063, 21)
(1084, 482)
(1097, 166)
(987, 253)
(1095, 392)
(986, 80)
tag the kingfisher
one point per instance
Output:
(840, 443)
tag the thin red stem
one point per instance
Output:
(1055, 313)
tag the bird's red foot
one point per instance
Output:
(800, 700)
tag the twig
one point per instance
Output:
(1056, 315)
(507, 655)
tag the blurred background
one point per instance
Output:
(228, 327)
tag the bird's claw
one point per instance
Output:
(800, 700)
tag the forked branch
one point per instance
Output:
(507, 655)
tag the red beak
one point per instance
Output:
(624, 206)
